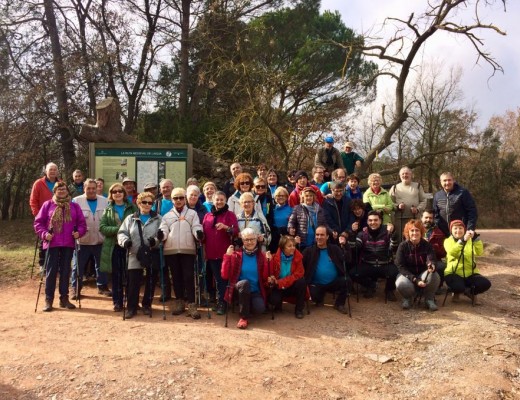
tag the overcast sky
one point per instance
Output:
(488, 96)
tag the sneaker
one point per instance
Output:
(147, 310)
(390, 295)
(177, 307)
(104, 291)
(370, 293)
(118, 308)
(48, 306)
(406, 304)
(242, 323)
(129, 314)
(221, 308)
(192, 311)
(430, 304)
(299, 314)
(341, 308)
(65, 303)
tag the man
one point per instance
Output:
(325, 269)
(353, 190)
(131, 189)
(302, 181)
(351, 160)
(229, 187)
(76, 188)
(375, 246)
(337, 211)
(409, 198)
(328, 157)
(338, 175)
(100, 182)
(151, 188)
(436, 238)
(453, 202)
(92, 205)
(318, 175)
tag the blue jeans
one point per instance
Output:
(85, 252)
(58, 261)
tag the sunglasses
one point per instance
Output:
(117, 191)
(260, 187)
(146, 203)
(245, 183)
(178, 198)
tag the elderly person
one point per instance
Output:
(141, 229)
(58, 224)
(282, 212)
(305, 218)
(286, 276)
(193, 201)
(337, 211)
(229, 187)
(351, 159)
(113, 256)
(243, 183)
(77, 187)
(252, 217)
(182, 229)
(328, 157)
(379, 199)
(461, 273)
(220, 226)
(209, 189)
(409, 198)
(415, 260)
(246, 272)
(272, 181)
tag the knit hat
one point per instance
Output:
(301, 173)
(457, 222)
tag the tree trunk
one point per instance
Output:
(184, 58)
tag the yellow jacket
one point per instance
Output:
(464, 265)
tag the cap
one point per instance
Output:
(301, 173)
(329, 139)
(149, 186)
(127, 179)
(349, 144)
(457, 222)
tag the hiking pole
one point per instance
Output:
(43, 271)
(271, 285)
(346, 281)
(34, 258)
(162, 280)
(124, 282)
(421, 289)
(230, 291)
(203, 270)
(76, 250)
(151, 286)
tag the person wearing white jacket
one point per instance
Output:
(182, 229)
(92, 206)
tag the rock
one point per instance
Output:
(380, 358)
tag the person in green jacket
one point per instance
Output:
(113, 256)
(379, 198)
(461, 273)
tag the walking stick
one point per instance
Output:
(346, 282)
(34, 258)
(151, 286)
(76, 250)
(421, 289)
(203, 276)
(271, 285)
(42, 272)
(124, 282)
(162, 281)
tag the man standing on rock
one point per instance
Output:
(328, 157)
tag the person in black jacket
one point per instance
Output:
(337, 211)
(325, 269)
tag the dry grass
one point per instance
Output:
(17, 241)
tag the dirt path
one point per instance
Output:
(383, 352)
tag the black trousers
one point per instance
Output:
(368, 274)
(337, 285)
(296, 290)
(458, 284)
(183, 274)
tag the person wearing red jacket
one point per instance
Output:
(286, 275)
(436, 238)
(246, 273)
(302, 181)
(42, 188)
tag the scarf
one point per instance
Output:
(250, 253)
(61, 213)
(218, 212)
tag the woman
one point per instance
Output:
(209, 190)
(272, 181)
(220, 226)
(246, 271)
(461, 273)
(59, 223)
(415, 260)
(193, 201)
(286, 275)
(353, 190)
(182, 228)
(129, 238)
(281, 214)
(113, 256)
(378, 197)
(251, 217)
(305, 218)
(263, 199)
(243, 183)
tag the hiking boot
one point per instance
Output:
(129, 314)
(104, 290)
(242, 323)
(177, 307)
(192, 311)
(118, 308)
(65, 303)
(406, 304)
(390, 295)
(221, 308)
(299, 314)
(430, 304)
(455, 297)
(341, 308)
(370, 292)
(147, 310)
(48, 306)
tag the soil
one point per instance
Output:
(382, 352)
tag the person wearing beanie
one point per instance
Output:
(461, 273)
(302, 181)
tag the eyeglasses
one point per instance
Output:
(249, 240)
(117, 191)
(178, 198)
(146, 203)
(245, 183)
(260, 187)
(247, 202)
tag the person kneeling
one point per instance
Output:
(325, 269)
(286, 272)
(246, 271)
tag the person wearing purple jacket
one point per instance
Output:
(58, 224)
(220, 226)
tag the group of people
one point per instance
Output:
(259, 242)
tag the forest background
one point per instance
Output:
(249, 80)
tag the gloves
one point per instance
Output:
(160, 235)
(200, 235)
(127, 244)
(152, 242)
